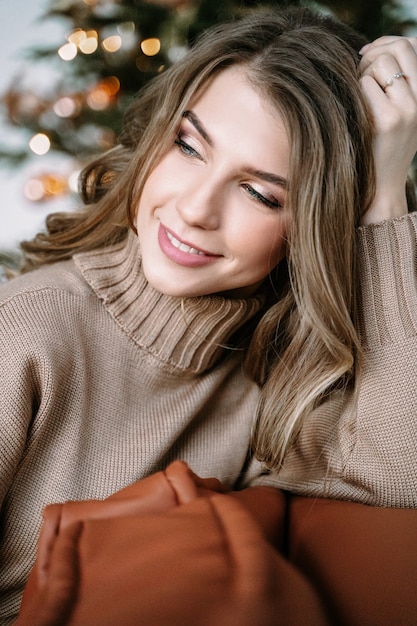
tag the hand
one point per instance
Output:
(389, 82)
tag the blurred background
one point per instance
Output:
(70, 67)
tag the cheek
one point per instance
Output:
(153, 182)
(151, 193)
(159, 177)
(272, 243)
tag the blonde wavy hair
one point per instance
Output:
(306, 64)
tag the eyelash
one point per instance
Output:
(271, 204)
(187, 150)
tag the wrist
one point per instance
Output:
(386, 206)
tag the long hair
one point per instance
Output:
(306, 65)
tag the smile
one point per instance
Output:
(182, 246)
(182, 253)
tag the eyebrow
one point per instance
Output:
(192, 117)
(266, 176)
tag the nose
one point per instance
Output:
(200, 202)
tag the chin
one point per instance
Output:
(167, 288)
(171, 286)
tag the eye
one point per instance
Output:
(271, 202)
(185, 148)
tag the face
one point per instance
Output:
(212, 216)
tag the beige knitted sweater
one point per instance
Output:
(362, 445)
(103, 380)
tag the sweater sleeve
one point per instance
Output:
(18, 395)
(361, 444)
(388, 282)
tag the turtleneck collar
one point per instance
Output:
(187, 333)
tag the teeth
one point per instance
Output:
(182, 246)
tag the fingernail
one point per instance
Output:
(364, 49)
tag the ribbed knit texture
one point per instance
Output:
(363, 445)
(103, 380)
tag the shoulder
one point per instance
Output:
(49, 300)
(58, 277)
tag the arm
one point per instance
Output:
(17, 400)
(389, 83)
(361, 444)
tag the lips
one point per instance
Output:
(182, 246)
(182, 253)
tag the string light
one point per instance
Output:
(118, 42)
(77, 36)
(40, 144)
(112, 43)
(90, 43)
(66, 107)
(45, 186)
(102, 94)
(73, 181)
(68, 51)
(150, 46)
(79, 40)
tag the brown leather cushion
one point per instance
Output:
(362, 559)
(172, 550)
(205, 563)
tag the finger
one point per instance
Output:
(384, 114)
(395, 65)
(384, 41)
(389, 76)
(394, 116)
(403, 49)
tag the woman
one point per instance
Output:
(244, 170)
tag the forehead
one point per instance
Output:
(223, 81)
(237, 115)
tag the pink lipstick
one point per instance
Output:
(181, 252)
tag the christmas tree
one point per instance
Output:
(113, 47)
